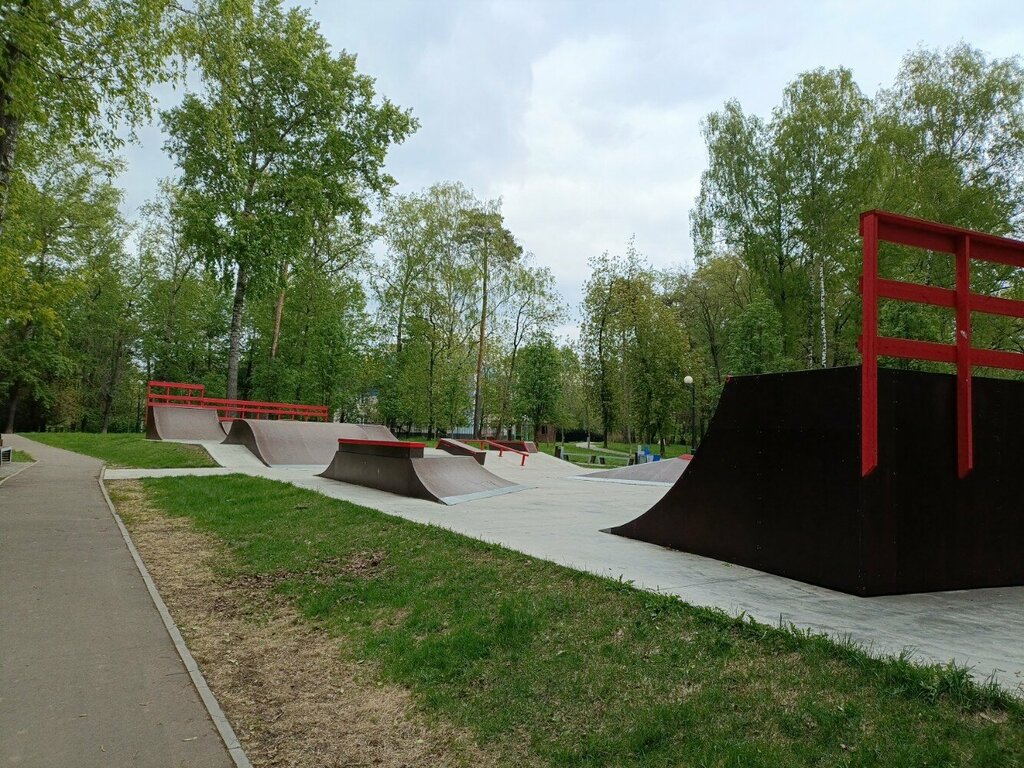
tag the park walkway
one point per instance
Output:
(88, 673)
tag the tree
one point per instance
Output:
(539, 379)
(945, 142)
(284, 136)
(184, 313)
(495, 254)
(61, 220)
(72, 72)
(533, 307)
(755, 340)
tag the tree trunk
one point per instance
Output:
(10, 128)
(12, 409)
(278, 314)
(235, 338)
(478, 405)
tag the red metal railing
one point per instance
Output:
(494, 446)
(965, 245)
(175, 394)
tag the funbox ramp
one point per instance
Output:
(776, 484)
(176, 422)
(284, 442)
(401, 468)
(664, 472)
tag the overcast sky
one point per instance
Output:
(584, 117)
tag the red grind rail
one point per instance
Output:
(499, 448)
(176, 394)
(965, 245)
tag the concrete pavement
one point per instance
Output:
(88, 673)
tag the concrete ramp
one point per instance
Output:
(777, 484)
(664, 472)
(177, 422)
(283, 442)
(402, 468)
(459, 448)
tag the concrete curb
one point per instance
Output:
(220, 720)
(15, 474)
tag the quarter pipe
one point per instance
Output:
(283, 442)
(402, 468)
(777, 484)
(176, 422)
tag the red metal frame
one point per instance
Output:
(499, 448)
(177, 395)
(964, 245)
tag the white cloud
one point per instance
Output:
(584, 114)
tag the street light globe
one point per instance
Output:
(688, 381)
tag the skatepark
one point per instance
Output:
(978, 627)
(876, 507)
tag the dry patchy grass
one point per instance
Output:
(285, 685)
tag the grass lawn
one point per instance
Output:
(17, 455)
(549, 666)
(127, 449)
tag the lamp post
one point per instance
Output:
(688, 381)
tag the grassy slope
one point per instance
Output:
(552, 666)
(127, 450)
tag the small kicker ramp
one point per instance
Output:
(459, 448)
(664, 472)
(177, 422)
(401, 468)
(281, 442)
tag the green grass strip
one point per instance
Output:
(127, 449)
(21, 456)
(551, 666)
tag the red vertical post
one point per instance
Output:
(964, 410)
(869, 347)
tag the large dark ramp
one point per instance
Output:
(402, 468)
(776, 485)
(283, 442)
(664, 472)
(176, 422)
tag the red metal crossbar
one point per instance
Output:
(169, 393)
(499, 448)
(965, 245)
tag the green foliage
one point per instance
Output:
(72, 73)
(634, 349)
(284, 139)
(69, 302)
(755, 340)
(539, 379)
(944, 142)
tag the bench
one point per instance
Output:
(5, 454)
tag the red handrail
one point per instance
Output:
(965, 245)
(500, 448)
(159, 393)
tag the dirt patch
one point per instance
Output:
(291, 696)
